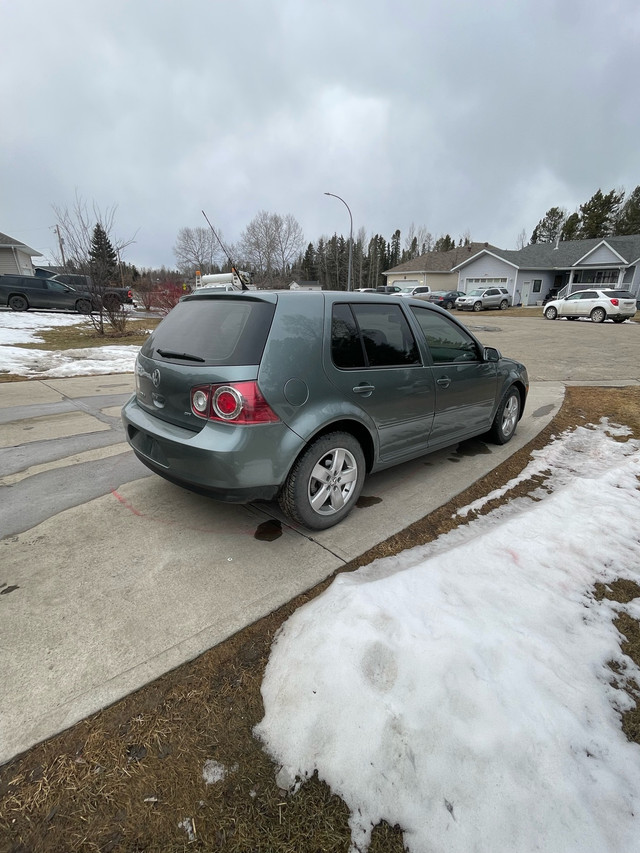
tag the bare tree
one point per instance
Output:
(521, 240)
(269, 244)
(418, 242)
(75, 229)
(289, 239)
(197, 249)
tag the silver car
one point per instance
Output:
(597, 305)
(484, 297)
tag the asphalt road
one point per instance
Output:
(110, 576)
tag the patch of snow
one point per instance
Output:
(462, 690)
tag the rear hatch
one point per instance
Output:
(206, 339)
(625, 301)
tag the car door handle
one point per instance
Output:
(364, 389)
(444, 382)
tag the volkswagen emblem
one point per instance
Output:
(155, 378)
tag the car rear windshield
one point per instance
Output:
(212, 331)
(618, 294)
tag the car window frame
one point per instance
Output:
(419, 311)
(368, 347)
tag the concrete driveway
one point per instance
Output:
(110, 576)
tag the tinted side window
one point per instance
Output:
(447, 342)
(346, 346)
(387, 338)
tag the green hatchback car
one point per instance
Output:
(298, 396)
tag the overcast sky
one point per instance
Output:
(456, 115)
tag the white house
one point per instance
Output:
(544, 269)
(15, 257)
(532, 273)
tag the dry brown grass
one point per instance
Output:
(124, 779)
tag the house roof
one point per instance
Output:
(7, 242)
(567, 253)
(440, 261)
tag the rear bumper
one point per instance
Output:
(231, 463)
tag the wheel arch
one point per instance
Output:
(358, 430)
(21, 295)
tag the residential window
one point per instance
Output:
(537, 285)
(596, 276)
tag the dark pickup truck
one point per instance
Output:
(21, 292)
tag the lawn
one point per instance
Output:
(130, 778)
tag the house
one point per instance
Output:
(549, 269)
(435, 269)
(15, 257)
(532, 273)
(305, 285)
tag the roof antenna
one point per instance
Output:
(223, 247)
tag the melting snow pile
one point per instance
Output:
(462, 690)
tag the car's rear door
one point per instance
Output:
(374, 359)
(588, 301)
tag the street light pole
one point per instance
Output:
(333, 195)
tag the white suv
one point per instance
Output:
(484, 297)
(598, 305)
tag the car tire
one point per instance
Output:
(83, 306)
(507, 417)
(477, 306)
(551, 313)
(504, 304)
(448, 306)
(618, 319)
(598, 315)
(325, 482)
(18, 303)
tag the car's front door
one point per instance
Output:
(570, 306)
(58, 295)
(375, 361)
(466, 385)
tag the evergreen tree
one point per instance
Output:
(598, 215)
(444, 244)
(394, 253)
(550, 226)
(308, 264)
(571, 228)
(629, 219)
(103, 263)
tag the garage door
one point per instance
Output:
(484, 282)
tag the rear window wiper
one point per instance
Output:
(166, 353)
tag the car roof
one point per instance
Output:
(291, 296)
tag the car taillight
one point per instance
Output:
(233, 402)
(615, 302)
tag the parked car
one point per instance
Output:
(598, 305)
(414, 291)
(445, 298)
(484, 298)
(365, 290)
(296, 397)
(21, 292)
(389, 288)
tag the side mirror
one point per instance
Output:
(492, 354)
